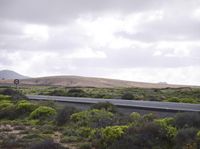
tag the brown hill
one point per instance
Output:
(77, 81)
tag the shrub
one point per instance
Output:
(92, 118)
(63, 115)
(128, 96)
(69, 139)
(85, 145)
(150, 135)
(7, 110)
(76, 93)
(43, 112)
(5, 97)
(105, 106)
(57, 93)
(104, 137)
(149, 117)
(135, 117)
(185, 120)
(166, 124)
(15, 95)
(47, 144)
(24, 107)
(186, 138)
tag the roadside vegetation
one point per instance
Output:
(182, 95)
(35, 125)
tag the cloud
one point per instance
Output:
(115, 38)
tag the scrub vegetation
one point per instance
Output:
(182, 95)
(38, 125)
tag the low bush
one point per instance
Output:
(15, 95)
(47, 144)
(186, 120)
(128, 96)
(43, 113)
(69, 139)
(148, 136)
(7, 110)
(5, 97)
(85, 145)
(64, 114)
(186, 138)
(75, 92)
(92, 118)
(105, 106)
(24, 107)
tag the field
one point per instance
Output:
(38, 125)
(184, 95)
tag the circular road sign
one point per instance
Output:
(16, 81)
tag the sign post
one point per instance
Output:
(16, 82)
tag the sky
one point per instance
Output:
(137, 40)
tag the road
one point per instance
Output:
(145, 105)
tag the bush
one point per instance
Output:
(63, 115)
(92, 118)
(186, 138)
(25, 108)
(186, 120)
(42, 113)
(105, 106)
(104, 137)
(76, 93)
(150, 135)
(128, 96)
(85, 145)
(5, 97)
(135, 117)
(7, 110)
(57, 93)
(15, 95)
(47, 144)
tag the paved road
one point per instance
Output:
(147, 105)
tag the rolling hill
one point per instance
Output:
(79, 81)
(8, 75)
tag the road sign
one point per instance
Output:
(16, 82)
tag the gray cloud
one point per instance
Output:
(100, 37)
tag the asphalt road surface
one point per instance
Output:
(148, 105)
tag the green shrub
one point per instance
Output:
(128, 96)
(47, 144)
(7, 110)
(75, 92)
(148, 136)
(68, 139)
(64, 114)
(85, 145)
(24, 107)
(186, 138)
(15, 95)
(42, 113)
(186, 120)
(92, 118)
(5, 97)
(105, 106)
(166, 124)
(135, 117)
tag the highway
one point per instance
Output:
(145, 105)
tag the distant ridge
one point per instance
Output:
(9, 75)
(79, 81)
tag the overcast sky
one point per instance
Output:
(138, 40)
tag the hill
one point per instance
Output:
(79, 81)
(8, 75)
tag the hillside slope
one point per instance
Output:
(78, 81)
(8, 74)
